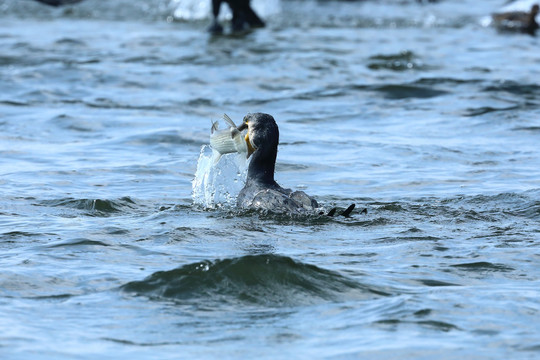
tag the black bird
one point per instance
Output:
(261, 191)
(243, 16)
(58, 2)
(521, 21)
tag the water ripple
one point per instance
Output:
(483, 266)
(94, 207)
(403, 61)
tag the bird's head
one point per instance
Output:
(262, 133)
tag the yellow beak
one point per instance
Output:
(250, 147)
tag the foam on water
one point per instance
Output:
(217, 183)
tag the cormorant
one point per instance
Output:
(261, 191)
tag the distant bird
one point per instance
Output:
(261, 191)
(58, 2)
(521, 21)
(243, 16)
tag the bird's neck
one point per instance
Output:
(262, 166)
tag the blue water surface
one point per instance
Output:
(418, 112)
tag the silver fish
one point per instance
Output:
(227, 141)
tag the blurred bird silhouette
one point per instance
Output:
(521, 21)
(243, 16)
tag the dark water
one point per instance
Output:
(416, 112)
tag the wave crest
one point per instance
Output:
(269, 280)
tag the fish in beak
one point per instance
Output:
(227, 141)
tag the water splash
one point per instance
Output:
(217, 184)
(191, 9)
